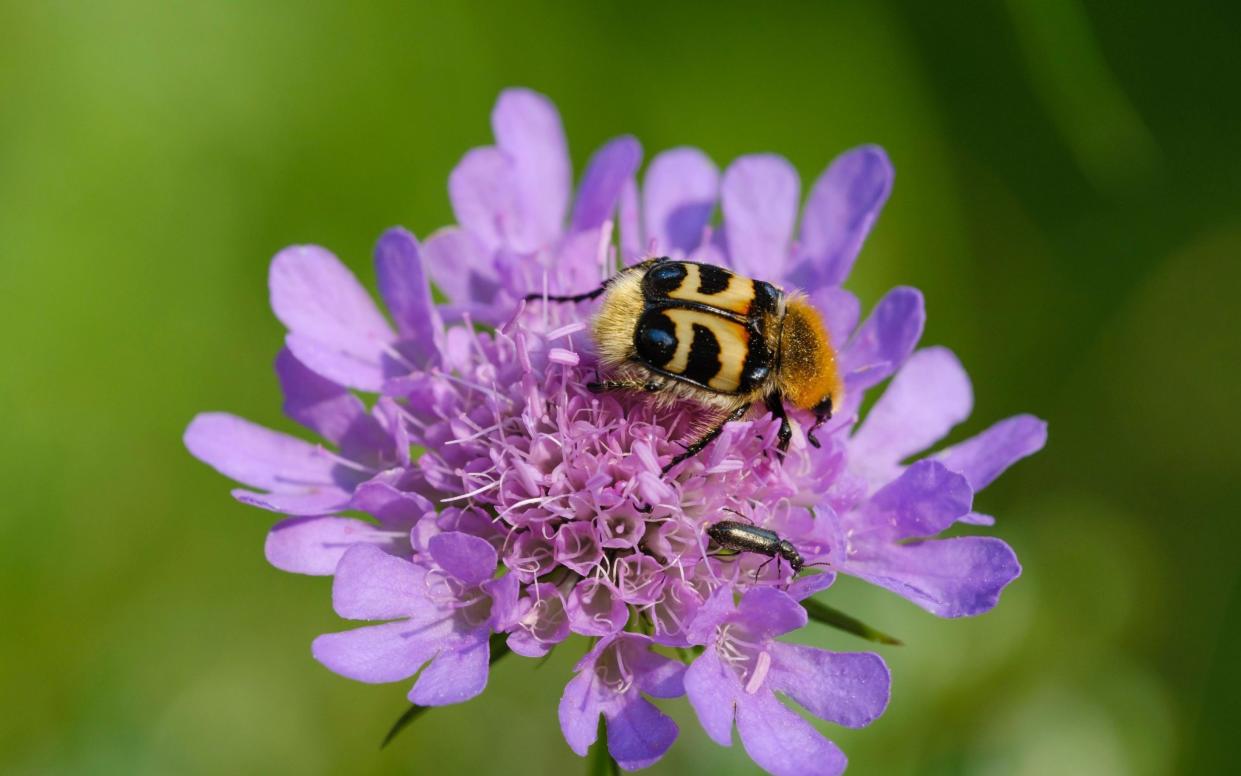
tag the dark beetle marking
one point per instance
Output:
(663, 279)
(766, 299)
(655, 339)
(704, 356)
(712, 279)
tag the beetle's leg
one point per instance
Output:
(570, 297)
(708, 437)
(763, 565)
(738, 514)
(822, 414)
(775, 403)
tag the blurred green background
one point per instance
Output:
(1068, 196)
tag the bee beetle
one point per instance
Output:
(684, 330)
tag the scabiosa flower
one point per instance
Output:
(513, 506)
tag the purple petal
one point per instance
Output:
(405, 290)
(611, 167)
(656, 675)
(759, 196)
(314, 545)
(329, 409)
(460, 266)
(485, 198)
(455, 675)
(678, 197)
(840, 310)
(848, 688)
(316, 501)
(257, 456)
(958, 577)
(768, 612)
(595, 608)
(579, 712)
(806, 586)
(396, 509)
(929, 395)
(783, 743)
(504, 608)
(638, 733)
(370, 584)
(468, 558)
(527, 128)
(976, 518)
(380, 653)
(924, 500)
(984, 457)
(366, 372)
(885, 340)
(321, 303)
(843, 205)
(710, 615)
(628, 223)
(711, 690)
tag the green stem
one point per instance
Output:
(499, 648)
(825, 614)
(601, 762)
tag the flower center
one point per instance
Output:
(612, 670)
(470, 604)
(744, 654)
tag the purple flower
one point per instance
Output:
(536, 508)
(735, 680)
(442, 612)
(610, 681)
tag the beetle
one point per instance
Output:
(687, 330)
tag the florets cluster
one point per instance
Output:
(511, 506)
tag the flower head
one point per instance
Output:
(536, 508)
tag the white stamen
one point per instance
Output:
(566, 330)
(761, 667)
(471, 494)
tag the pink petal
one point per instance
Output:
(759, 196)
